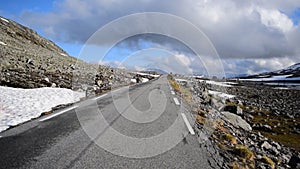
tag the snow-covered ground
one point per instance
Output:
(273, 78)
(20, 105)
(224, 84)
(220, 94)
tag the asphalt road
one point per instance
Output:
(140, 126)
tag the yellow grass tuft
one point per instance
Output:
(267, 160)
(244, 152)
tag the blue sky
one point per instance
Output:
(250, 36)
(295, 16)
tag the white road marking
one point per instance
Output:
(176, 101)
(172, 92)
(59, 113)
(118, 89)
(96, 98)
(188, 125)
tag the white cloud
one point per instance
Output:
(257, 29)
(184, 60)
(275, 19)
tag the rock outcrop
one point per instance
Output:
(30, 61)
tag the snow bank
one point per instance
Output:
(220, 94)
(21, 105)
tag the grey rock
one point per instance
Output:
(237, 121)
(266, 145)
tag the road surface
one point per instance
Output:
(140, 126)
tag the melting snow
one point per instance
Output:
(20, 105)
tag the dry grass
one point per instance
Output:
(175, 85)
(244, 152)
(236, 165)
(200, 119)
(268, 161)
(230, 138)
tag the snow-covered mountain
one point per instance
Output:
(292, 70)
(289, 74)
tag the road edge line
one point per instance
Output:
(58, 113)
(188, 125)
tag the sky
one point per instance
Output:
(249, 36)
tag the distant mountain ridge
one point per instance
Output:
(156, 70)
(291, 73)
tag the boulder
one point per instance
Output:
(237, 121)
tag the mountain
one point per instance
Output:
(289, 74)
(293, 70)
(235, 75)
(29, 60)
(156, 70)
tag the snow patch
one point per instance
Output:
(63, 54)
(21, 105)
(220, 94)
(147, 74)
(133, 80)
(5, 20)
(2, 43)
(144, 80)
(273, 78)
(181, 80)
(224, 84)
(281, 88)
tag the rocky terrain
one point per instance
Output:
(30, 61)
(257, 128)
